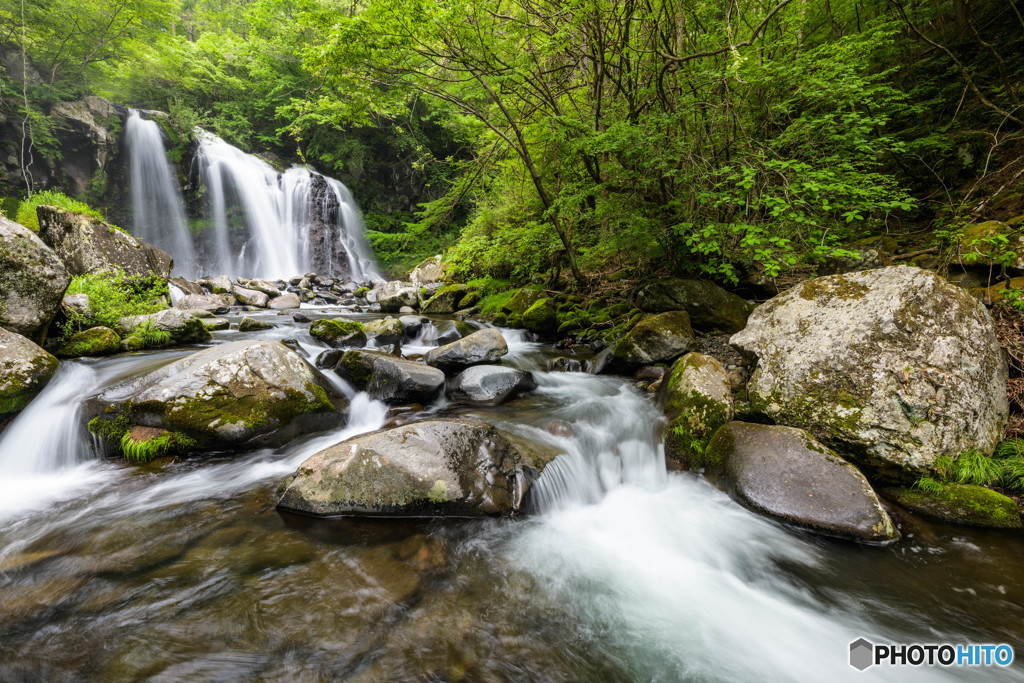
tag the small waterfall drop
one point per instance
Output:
(277, 225)
(157, 207)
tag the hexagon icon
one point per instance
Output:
(862, 654)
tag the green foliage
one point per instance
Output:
(147, 336)
(1004, 468)
(146, 450)
(27, 209)
(114, 295)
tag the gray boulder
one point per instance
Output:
(248, 324)
(250, 297)
(25, 369)
(394, 301)
(709, 306)
(385, 331)
(893, 367)
(412, 324)
(434, 468)
(657, 338)
(481, 347)
(485, 385)
(268, 288)
(390, 379)
(428, 272)
(32, 281)
(784, 473)
(183, 327)
(286, 301)
(220, 285)
(201, 302)
(89, 245)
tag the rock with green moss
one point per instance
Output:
(247, 324)
(96, 341)
(235, 395)
(25, 369)
(522, 300)
(182, 327)
(393, 296)
(390, 379)
(541, 317)
(458, 467)
(428, 272)
(480, 348)
(445, 300)
(892, 367)
(216, 324)
(32, 281)
(959, 503)
(992, 243)
(709, 306)
(89, 245)
(143, 444)
(385, 331)
(785, 473)
(250, 297)
(339, 333)
(653, 339)
(698, 400)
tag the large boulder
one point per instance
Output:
(784, 473)
(220, 285)
(709, 306)
(522, 300)
(428, 272)
(89, 245)
(488, 385)
(390, 379)
(444, 301)
(286, 301)
(657, 338)
(202, 302)
(893, 367)
(32, 281)
(25, 370)
(481, 347)
(96, 341)
(239, 394)
(183, 327)
(392, 301)
(250, 297)
(698, 400)
(439, 467)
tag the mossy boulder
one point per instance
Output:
(709, 306)
(25, 369)
(339, 333)
(459, 467)
(785, 473)
(182, 327)
(892, 367)
(250, 297)
(390, 379)
(541, 317)
(385, 331)
(445, 300)
(96, 341)
(698, 400)
(32, 281)
(992, 242)
(248, 324)
(236, 395)
(959, 503)
(519, 302)
(653, 339)
(89, 245)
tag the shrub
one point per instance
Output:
(114, 295)
(27, 209)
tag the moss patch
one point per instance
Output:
(339, 332)
(959, 503)
(833, 287)
(96, 341)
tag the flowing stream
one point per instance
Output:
(185, 569)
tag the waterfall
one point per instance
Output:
(271, 224)
(157, 208)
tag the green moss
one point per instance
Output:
(362, 292)
(358, 369)
(493, 304)
(96, 341)
(332, 331)
(959, 503)
(720, 447)
(833, 287)
(541, 316)
(112, 429)
(145, 450)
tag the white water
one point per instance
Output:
(262, 219)
(157, 208)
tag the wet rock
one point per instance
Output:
(286, 301)
(216, 324)
(25, 369)
(432, 468)
(248, 324)
(784, 473)
(250, 297)
(96, 341)
(186, 286)
(444, 301)
(564, 364)
(428, 272)
(394, 295)
(239, 394)
(338, 333)
(268, 288)
(481, 347)
(390, 379)
(893, 367)
(960, 504)
(657, 338)
(205, 302)
(709, 306)
(386, 331)
(412, 324)
(32, 281)
(485, 385)
(219, 285)
(698, 400)
(89, 245)
(183, 328)
(541, 317)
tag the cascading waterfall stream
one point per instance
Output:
(157, 208)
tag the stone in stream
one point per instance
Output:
(248, 324)
(541, 317)
(482, 347)
(186, 286)
(709, 306)
(386, 331)
(183, 328)
(785, 473)
(390, 379)
(698, 400)
(216, 324)
(250, 297)
(220, 284)
(893, 367)
(435, 468)
(486, 385)
(412, 324)
(96, 341)
(959, 503)
(89, 245)
(206, 302)
(397, 299)
(234, 395)
(286, 301)
(268, 288)
(444, 301)
(338, 333)
(33, 280)
(657, 338)
(25, 369)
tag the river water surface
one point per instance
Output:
(184, 570)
